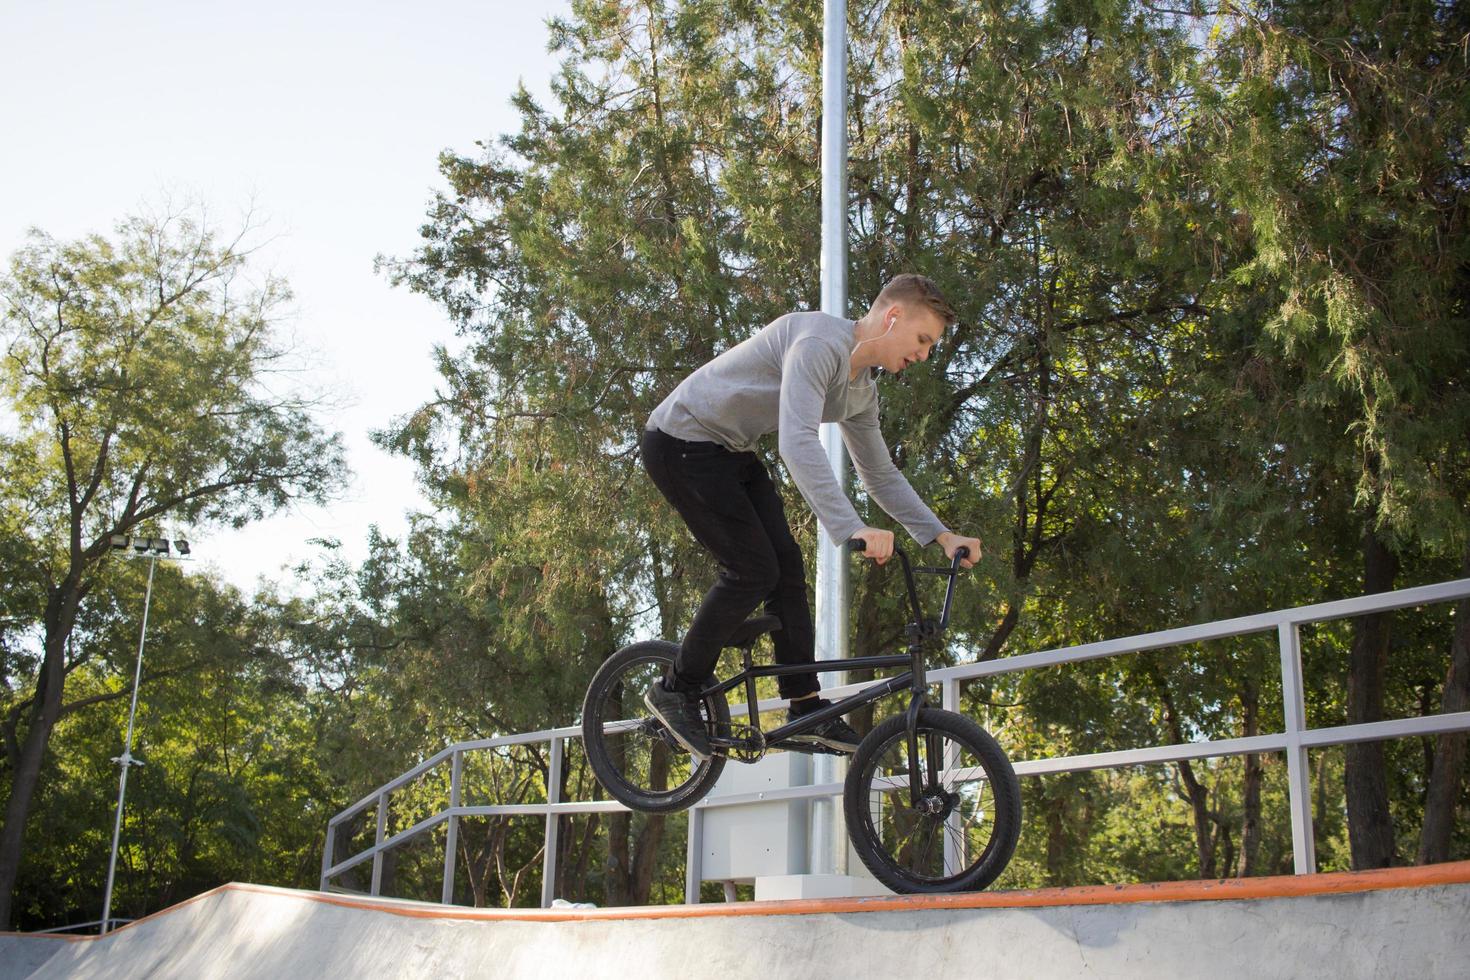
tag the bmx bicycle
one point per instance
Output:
(932, 804)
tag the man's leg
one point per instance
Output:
(710, 487)
(795, 642)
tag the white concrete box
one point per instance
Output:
(751, 840)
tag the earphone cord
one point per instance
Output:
(869, 341)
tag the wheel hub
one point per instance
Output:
(938, 804)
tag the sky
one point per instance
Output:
(326, 119)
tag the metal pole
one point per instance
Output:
(328, 849)
(553, 826)
(125, 761)
(451, 836)
(827, 831)
(1298, 773)
(382, 835)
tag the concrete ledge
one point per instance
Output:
(1399, 922)
(1208, 890)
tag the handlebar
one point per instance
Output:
(859, 545)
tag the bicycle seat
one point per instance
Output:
(752, 629)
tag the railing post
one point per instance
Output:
(451, 837)
(553, 825)
(330, 847)
(693, 851)
(378, 843)
(1298, 774)
(954, 854)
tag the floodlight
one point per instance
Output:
(159, 545)
(119, 542)
(181, 546)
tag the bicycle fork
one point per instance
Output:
(919, 634)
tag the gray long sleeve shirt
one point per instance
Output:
(788, 378)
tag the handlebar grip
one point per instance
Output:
(962, 552)
(856, 544)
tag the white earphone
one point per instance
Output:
(879, 337)
(869, 341)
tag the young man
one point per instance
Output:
(797, 372)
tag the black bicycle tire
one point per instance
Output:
(684, 795)
(1005, 787)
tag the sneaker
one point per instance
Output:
(833, 733)
(680, 714)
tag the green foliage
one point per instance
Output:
(138, 389)
(230, 788)
(138, 371)
(1174, 395)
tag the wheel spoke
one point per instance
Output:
(957, 835)
(952, 830)
(633, 755)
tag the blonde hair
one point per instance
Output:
(912, 289)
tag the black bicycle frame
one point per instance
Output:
(874, 691)
(921, 633)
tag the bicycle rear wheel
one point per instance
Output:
(631, 752)
(960, 834)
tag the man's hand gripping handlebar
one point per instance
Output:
(864, 544)
(877, 544)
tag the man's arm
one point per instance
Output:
(805, 373)
(883, 481)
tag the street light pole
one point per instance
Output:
(827, 843)
(154, 548)
(126, 761)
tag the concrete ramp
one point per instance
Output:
(1408, 922)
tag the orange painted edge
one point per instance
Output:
(1227, 889)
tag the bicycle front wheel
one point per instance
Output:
(960, 832)
(631, 752)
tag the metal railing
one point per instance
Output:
(1294, 740)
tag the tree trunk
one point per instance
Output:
(1370, 825)
(574, 877)
(1204, 828)
(1250, 830)
(476, 865)
(1195, 792)
(1056, 840)
(1448, 768)
(1003, 631)
(1319, 801)
(1224, 848)
(1027, 532)
(645, 858)
(17, 807)
(617, 870)
(61, 608)
(353, 879)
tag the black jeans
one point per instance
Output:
(732, 508)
